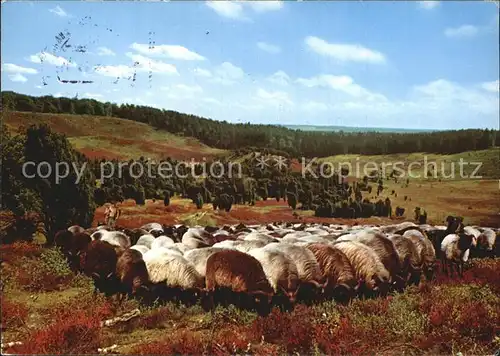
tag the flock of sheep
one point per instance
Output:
(261, 266)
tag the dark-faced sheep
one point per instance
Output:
(386, 251)
(370, 270)
(199, 256)
(338, 271)
(426, 250)
(132, 274)
(197, 238)
(455, 250)
(174, 277)
(409, 258)
(79, 244)
(312, 280)
(99, 263)
(238, 278)
(117, 238)
(282, 274)
(76, 229)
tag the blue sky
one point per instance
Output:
(379, 64)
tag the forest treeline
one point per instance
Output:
(295, 143)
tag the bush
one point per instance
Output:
(14, 314)
(293, 331)
(75, 332)
(50, 272)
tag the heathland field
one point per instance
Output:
(113, 138)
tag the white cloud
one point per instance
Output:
(314, 106)
(44, 57)
(104, 51)
(212, 101)
(59, 11)
(200, 72)
(93, 96)
(235, 10)
(13, 68)
(280, 78)
(344, 52)
(143, 63)
(267, 47)
(182, 91)
(266, 5)
(342, 83)
(274, 98)
(491, 86)
(227, 73)
(118, 71)
(18, 77)
(169, 51)
(464, 31)
(428, 5)
(446, 96)
(230, 9)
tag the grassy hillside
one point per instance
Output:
(109, 138)
(489, 159)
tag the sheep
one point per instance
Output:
(162, 241)
(76, 229)
(141, 248)
(156, 232)
(234, 276)
(370, 270)
(135, 234)
(117, 238)
(63, 240)
(295, 235)
(486, 242)
(146, 240)
(152, 226)
(426, 251)
(410, 259)
(181, 247)
(99, 263)
(455, 250)
(199, 256)
(312, 281)
(341, 281)
(282, 274)
(386, 251)
(257, 236)
(246, 246)
(132, 273)
(79, 244)
(228, 244)
(196, 238)
(174, 277)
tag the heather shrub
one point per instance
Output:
(73, 331)
(14, 314)
(293, 331)
(230, 315)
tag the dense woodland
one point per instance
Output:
(295, 143)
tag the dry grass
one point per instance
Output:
(109, 138)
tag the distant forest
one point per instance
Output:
(295, 143)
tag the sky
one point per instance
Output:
(391, 64)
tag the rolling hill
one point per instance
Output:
(114, 138)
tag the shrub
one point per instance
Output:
(73, 331)
(14, 314)
(50, 272)
(293, 331)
